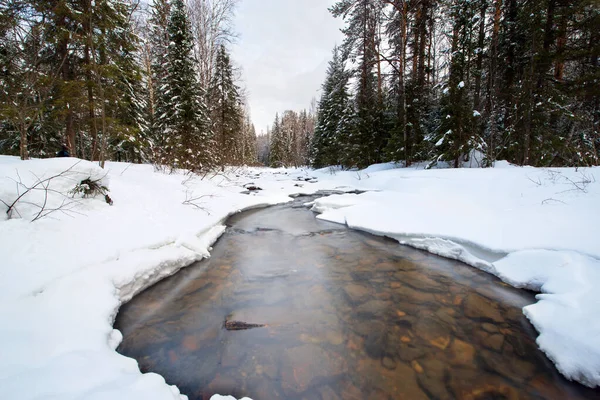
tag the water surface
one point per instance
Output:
(347, 316)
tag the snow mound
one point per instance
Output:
(52, 183)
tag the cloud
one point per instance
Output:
(283, 49)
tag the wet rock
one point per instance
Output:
(468, 385)
(385, 266)
(401, 383)
(260, 388)
(190, 343)
(417, 367)
(440, 342)
(334, 337)
(356, 293)
(494, 342)
(267, 363)
(376, 344)
(327, 393)
(422, 282)
(223, 384)
(305, 365)
(462, 353)
(373, 308)
(546, 389)
(311, 396)
(388, 363)
(446, 314)
(351, 392)
(511, 367)
(409, 352)
(232, 355)
(478, 307)
(251, 187)
(432, 380)
(518, 346)
(411, 295)
(491, 328)
(378, 394)
(433, 331)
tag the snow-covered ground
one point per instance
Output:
(63, 277)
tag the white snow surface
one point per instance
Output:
(64, 277)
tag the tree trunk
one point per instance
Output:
(479, 62)
(492, 92)
(23, 144)
(89, 79)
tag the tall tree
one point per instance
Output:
(367, 144)
(226, 110)
(277, 145)
(189, 142)
(333, 127)
(158, 46)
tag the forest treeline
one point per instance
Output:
(113, 81)
(446, 80)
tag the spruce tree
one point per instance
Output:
(225, 110)
(189, 142)
(454, 139)
(158, 38)
(369, 139)
(333, 125)
(277, 145)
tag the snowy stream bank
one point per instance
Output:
(64, 277)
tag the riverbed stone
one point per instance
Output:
(432, 380)
(467, 384)
(328, 393)
(462, 353)
(494, 342)
(388, 362)
(411, 295)
(422, 282)
(491, 328)
(356, 293)
(304, 365)
(478, 307)
(511, 367)
(373, 308)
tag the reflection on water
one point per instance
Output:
(347, 315)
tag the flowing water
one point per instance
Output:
(346, 315)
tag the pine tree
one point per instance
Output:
(189, 142)
(225, 110)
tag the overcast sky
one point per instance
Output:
(283, 49)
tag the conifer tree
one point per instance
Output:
(226, 110)
(455, 140)
(333, 126)
(368, 141)
(158, 38)
(189, 142)
(277, 145)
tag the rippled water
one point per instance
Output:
(347, 316)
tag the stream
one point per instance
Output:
(346, 315)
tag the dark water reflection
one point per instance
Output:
(348, 316)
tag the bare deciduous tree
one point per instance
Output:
(212, 25)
